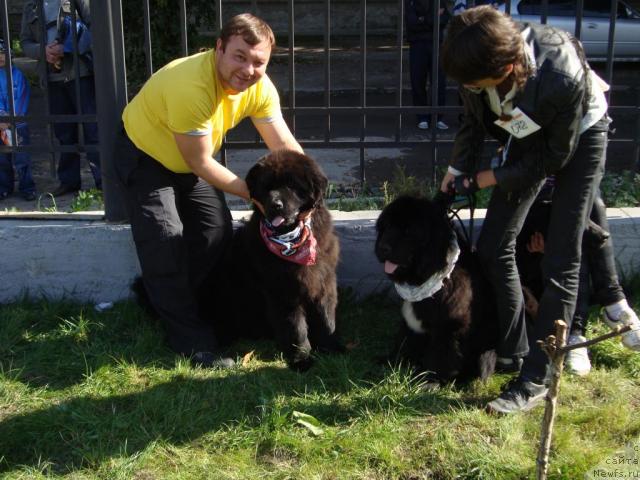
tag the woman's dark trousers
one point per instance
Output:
(575, 189)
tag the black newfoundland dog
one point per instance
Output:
(282, 272)
(277, 279)
(450, 327)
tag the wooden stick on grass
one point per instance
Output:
(555, 347)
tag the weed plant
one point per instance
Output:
(90, 395)
(88, 200)
(618, 190)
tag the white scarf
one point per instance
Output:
(413, 293)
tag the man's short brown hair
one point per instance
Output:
(252, 29)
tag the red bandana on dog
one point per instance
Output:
(297, 246)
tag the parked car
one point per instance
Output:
(595, 24)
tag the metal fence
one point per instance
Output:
(111, 86)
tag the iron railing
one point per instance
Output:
(111, 86)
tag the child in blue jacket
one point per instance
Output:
(21, 160)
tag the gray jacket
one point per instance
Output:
(31, 36)
(553, 97)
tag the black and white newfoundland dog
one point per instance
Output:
(282, 277)
(450, 318)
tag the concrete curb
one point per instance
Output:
(80, 257)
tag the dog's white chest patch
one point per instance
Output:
(413, 323)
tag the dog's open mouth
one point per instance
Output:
(282, 224)
(277, 221)
(395, 271)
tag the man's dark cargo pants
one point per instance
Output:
(181, 226)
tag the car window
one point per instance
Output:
(563, 8)
(625, 11)
(597, 8)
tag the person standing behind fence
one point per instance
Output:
(61, 81)
(21, 160)
(174, 187)
(418, 15)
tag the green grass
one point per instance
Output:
(88, 395)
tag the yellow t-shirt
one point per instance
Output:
(185, 96)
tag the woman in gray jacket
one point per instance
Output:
(529, 87)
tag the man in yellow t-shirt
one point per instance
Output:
(174, 188)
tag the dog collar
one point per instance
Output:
(297, 246)
(416, 293)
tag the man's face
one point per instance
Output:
(240, 65)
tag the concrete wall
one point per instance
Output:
(76, 257)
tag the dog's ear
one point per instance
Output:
(382, 220)
(317, 180)
(442, 201)
(256, 176)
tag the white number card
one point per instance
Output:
(520, 124)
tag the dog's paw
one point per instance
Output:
(333, 346)
(301, 364)
(431, 385)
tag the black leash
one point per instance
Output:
(458, 203)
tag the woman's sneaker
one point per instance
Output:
(631, 339)
(518, 396)
(211, 360)
(577, 361)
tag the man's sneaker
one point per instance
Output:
(577, 361)
(211, 360)
(518, 396)
(631, 339)
(442, 126)
(508, 364)
(423, 125)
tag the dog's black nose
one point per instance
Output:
(277, 204)
(384, 250)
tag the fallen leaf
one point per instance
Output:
(352, 345)
(309, 422)
(247, 358)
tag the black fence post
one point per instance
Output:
(111, 96)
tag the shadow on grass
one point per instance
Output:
(83, 432)
(64, 346)
(57, 344)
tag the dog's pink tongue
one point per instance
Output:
(389, 267)
(276, 222)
